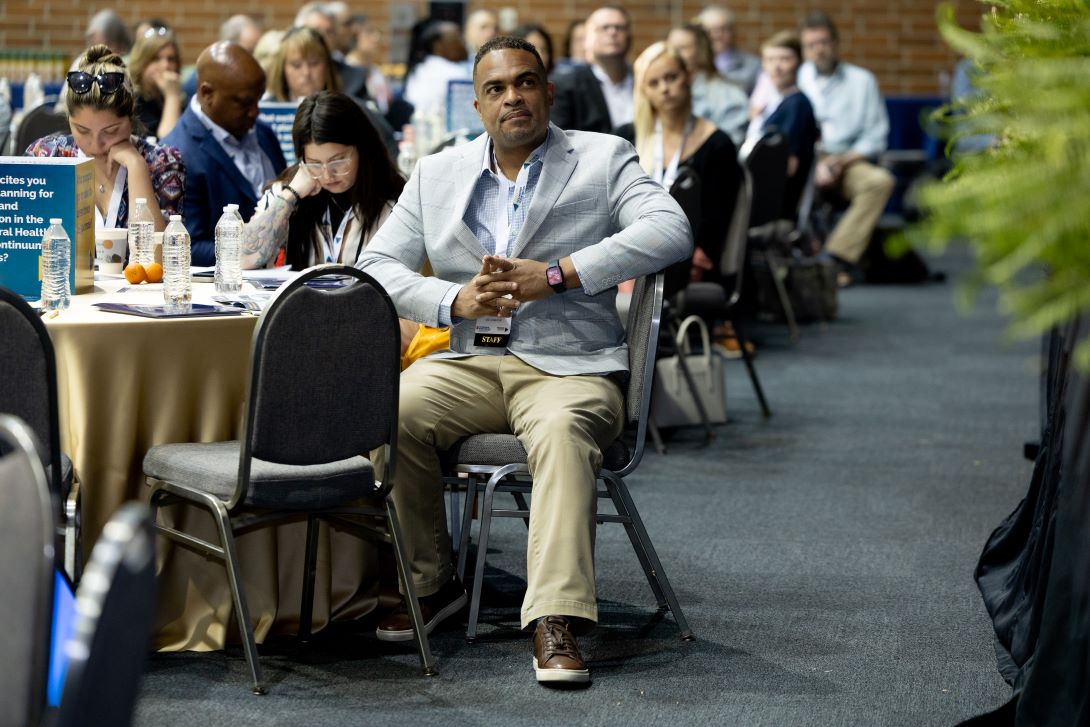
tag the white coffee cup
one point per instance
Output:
(111, 244)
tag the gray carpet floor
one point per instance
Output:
(824, 557)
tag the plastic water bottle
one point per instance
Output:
(141, 229)
(229, 251)
(56, 265)
(177, 287)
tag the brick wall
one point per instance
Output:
(894, 38)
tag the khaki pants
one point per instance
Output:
(562, 421)
(867, 188)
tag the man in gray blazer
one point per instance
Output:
(529, 229)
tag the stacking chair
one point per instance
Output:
(28, 390)
(27, 529)
(712, 301)
(38, 122)
(498, 462)
(765, 158)
(322, 395)
(115, 613)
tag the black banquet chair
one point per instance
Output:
(28, 390)
(498, 462)
(115, 613)
(310, 422)
(27, 528)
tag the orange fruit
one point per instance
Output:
(135, 273)
(155, 273)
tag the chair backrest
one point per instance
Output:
(115, 613)
(732, 264)
(766, 160)
(28, 388)
(38, 122)
(644, 321)
(325, 360)
(688, 191)
(27, 525)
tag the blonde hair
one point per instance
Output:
(645, 117)
(786, 39)
(143, 55)
(308, 42)
(95, 60)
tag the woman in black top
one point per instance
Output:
(670, 139)
(154, 66)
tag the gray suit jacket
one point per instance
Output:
(592, 201)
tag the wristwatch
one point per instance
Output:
(554, 276)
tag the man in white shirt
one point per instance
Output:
(598, 97)
(854, 131)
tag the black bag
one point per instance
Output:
(778, 249)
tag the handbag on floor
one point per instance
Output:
(672, 402)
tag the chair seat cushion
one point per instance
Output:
(502, 449)
(213, 468)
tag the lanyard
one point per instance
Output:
(665, 177)
(505, 215)
(333, 246)
(110, 220)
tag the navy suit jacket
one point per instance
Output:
(213, 181)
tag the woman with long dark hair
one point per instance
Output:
(328, 205)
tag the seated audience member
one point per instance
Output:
(789, 112)
(323, 18)
(366, 53)
(575, 42)
(540, 39)
(303, 66)
(553, 383)
(714, 97)
(242, 29)
(854, 131)
(155, 64)
(482, 25)
(436, 59)
(108, 29)
(99, 102)
(326, 207)
(733, 63)
(598, 96)
(229, 154)
(669, 136)
(268, 48)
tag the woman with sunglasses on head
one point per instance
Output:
(154, 65)
(328, 205)
(100, 105)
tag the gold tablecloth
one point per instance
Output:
(128, 383)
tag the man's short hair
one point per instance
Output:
(617, 8)
(508, 42)
(819, 20)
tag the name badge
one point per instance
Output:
(492, 332)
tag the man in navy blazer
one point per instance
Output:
(229, 155)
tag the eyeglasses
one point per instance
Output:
(156, 30)
(337, 168)
(108, 83)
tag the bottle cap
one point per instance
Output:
(175, 218)
(231, 206)
(55, 221)
(141, 200)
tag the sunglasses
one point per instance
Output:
(108, 83)
(156, 30)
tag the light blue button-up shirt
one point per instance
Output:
(849, 108)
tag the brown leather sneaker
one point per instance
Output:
(435, 608)
(556, 655)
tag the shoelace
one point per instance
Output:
(559, 641)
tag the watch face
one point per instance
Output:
(555, 276)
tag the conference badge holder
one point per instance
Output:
(492, 332)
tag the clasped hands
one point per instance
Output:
(501, 287)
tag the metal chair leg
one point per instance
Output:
(779, 274)
(467, 525)
(482, 551)
(310, 567)
(747, 359)
(242, 611)
(643, 542)
(520, 502)
(403, 570)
